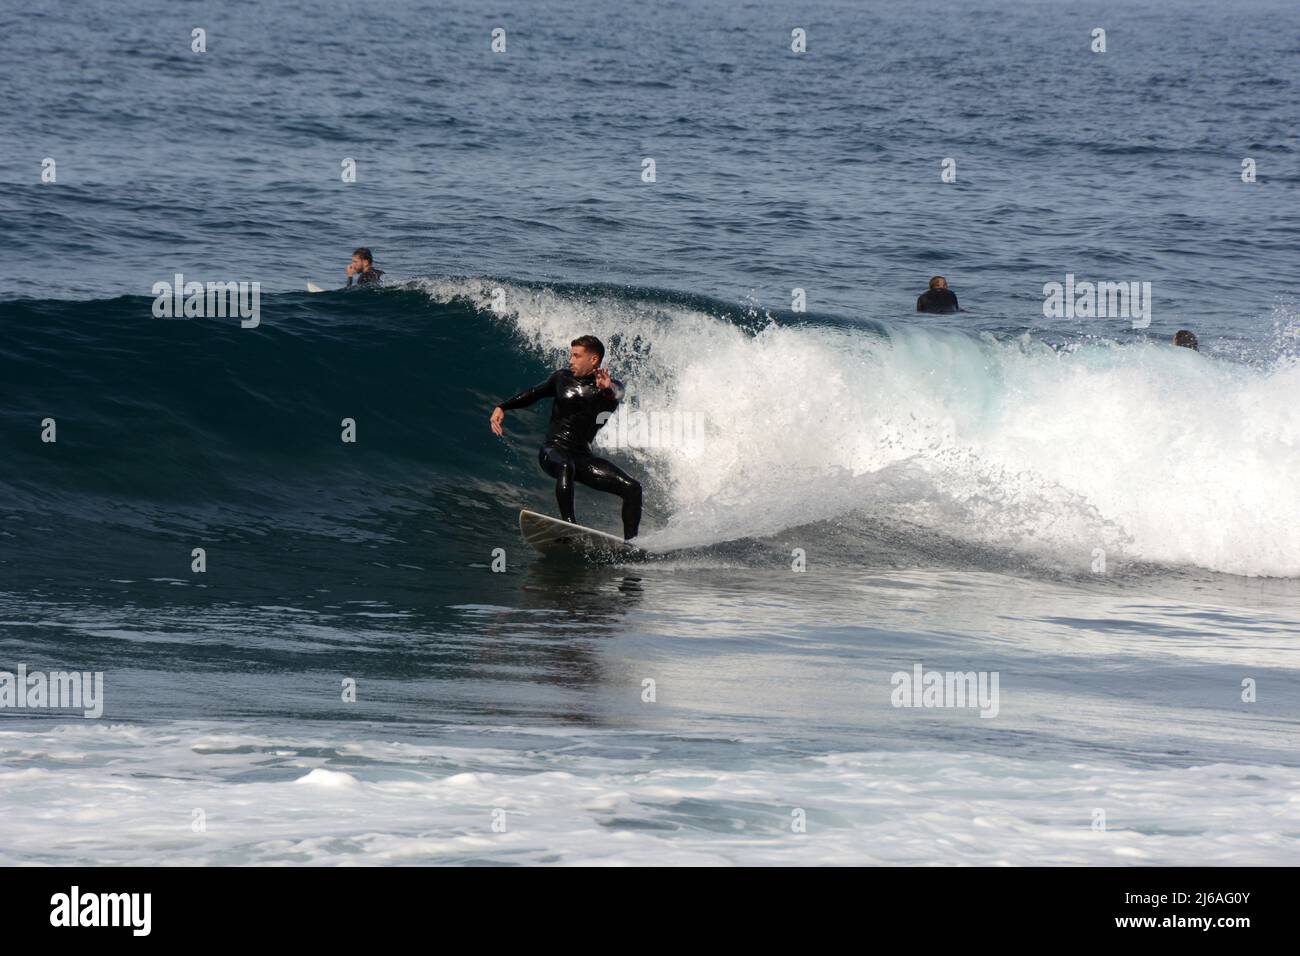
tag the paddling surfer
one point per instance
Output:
(937, 299)
(362, 269)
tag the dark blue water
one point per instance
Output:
(819, 170)
(948, 481)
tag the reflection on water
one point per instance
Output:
(1141, 669)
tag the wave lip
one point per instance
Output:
(1102, 450)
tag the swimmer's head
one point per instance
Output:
(938, 282)
(585, 355)
(362, 260)
(1186, 339)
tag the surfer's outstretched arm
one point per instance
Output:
(525, 398)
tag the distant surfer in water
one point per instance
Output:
(362, 268)
(938, 298)
(581, 392)
(1187, 340)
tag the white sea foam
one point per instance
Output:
(133, 798)
(333, 779)
(1146, 451)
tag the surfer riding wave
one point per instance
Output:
(582, 392)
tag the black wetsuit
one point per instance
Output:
(937, 300)
(566, 453)
(369, 277)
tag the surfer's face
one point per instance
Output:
(359, 264)
(582, 362)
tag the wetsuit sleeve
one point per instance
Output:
(529, 395)
(955, 306)
(920, 303)
(610, 397)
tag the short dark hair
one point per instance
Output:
(364, 253)
(591, 344)
(935, 280)
(1186, 339)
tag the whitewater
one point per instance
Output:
(1150, 453)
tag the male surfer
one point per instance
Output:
(581, 392)
(362, 268)
(1187, 339)
(938, 298)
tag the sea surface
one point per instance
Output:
(364, 663)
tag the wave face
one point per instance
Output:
(922, 442)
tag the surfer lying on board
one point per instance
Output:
(581, 392)
(362, 268)
(938, 299)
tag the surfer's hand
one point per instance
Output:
(498, 416)
(350, 270)
(602, 378)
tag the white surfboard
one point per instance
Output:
(313, 287)
(553, 536)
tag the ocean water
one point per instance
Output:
(1104, 528)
